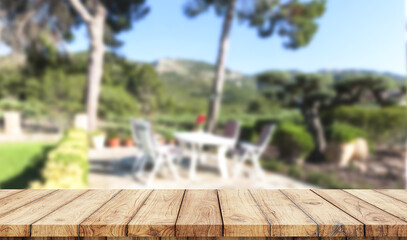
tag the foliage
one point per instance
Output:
(314, 177)
(343, 132)
(66, 166)
(293, 20)
(10, 105)
(55, 21)
(117, 101)
(143, 83)
(97, 133)
(21, 163)
(293, 141)
(382, 125)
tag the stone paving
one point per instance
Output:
(110, 168)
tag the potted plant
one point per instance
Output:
(98, 139)
(113, 139)
(128, 140)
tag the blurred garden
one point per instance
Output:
(49, 95)
(333, 128)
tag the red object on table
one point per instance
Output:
(201, 119)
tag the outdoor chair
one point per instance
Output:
(252, 152)
(232, 130)
(159, 155)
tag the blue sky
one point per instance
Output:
(368, 34)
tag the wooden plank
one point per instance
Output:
(17, 223)
(285, 218)
(20, 199)
(242, 216)
(158, 215)
(388, 204)
(332, 221)
(199, 215)
(400, 194)
(6, 193)
(65, 221)
(377, 222)
(111, 220)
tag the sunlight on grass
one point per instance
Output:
(16, 157)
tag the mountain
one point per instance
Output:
(195, 70)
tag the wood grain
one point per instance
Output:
(332, 221)
(158, 215)
(20, 199)
(6, 193)
(400, 194)
(199, 215)
(377, 222)
(111, 219)
(64, 222)
(388, 204)
(285, 218)
(242, 216)
(203, 214)
(17, 223)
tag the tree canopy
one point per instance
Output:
(293, 20)
(28, 23)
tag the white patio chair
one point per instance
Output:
(159, 155)
(139, 162)
(252, 152)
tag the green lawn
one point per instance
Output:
(21, 162)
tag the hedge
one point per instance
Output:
(293, 141)
(66, 166)
(382, 125)
(344, 133)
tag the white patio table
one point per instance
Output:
(196, 140)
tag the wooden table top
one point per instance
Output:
(203, 213)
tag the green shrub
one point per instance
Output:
(382, 125)
(117, 101)
(343, 132)
(293, 141)
(66, 166)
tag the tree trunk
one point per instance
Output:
(317, 130)
(216, 97)
(95, 64)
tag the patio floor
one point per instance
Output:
(110, 169)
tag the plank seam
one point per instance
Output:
(11, 195)
(220, 210)
(79, 225)
(305, 212)
(364, 225)
(1, 215)
(390, 196)
(258, 206)
(179, 210)
(141, 205)
(375, 206)
(55, 210)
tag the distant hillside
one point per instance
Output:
(336, 74)
(192, 69)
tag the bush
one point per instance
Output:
(66, 166)
(343, 133)
(293, 141)
(382, 125)
(116, 101)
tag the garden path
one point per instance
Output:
(110, 169)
